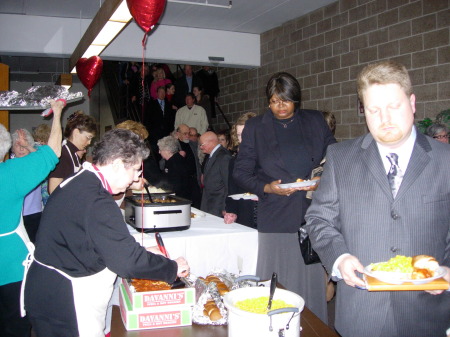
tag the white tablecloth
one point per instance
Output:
(210, 244)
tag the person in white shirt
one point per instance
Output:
(192, 115)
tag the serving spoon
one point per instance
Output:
(273, 286)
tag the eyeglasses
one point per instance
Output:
(89, 137)
(441, 137)
(280, 102)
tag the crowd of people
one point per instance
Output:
(69, 208)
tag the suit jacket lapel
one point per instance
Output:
(419, 160)
(372, 160)
(212, 159)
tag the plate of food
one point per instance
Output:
(419, 269)
(299, 183)
(245, 196)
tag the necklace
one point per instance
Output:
(285, 125)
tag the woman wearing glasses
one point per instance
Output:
(438, 132)
(280, 146)
(79, 131)
(83, 244)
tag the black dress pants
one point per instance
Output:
(11, 324)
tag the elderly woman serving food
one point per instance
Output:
(83, 244)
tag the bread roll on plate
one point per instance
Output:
(424, 266)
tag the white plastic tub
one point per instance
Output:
(244, 323)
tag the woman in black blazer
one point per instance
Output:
(280, 146)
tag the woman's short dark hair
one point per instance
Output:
(285, 86)
(120, 144)
(78, 120)
(226, 134)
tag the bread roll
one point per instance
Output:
(425, 262)
(424, 267)
(215, 315)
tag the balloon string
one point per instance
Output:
(144, 41)
(142, 208)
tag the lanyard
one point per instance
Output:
(102, 179)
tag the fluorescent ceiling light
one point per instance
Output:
(104, 31)
(93, 50)
(122, 14)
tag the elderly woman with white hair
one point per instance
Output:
(175, 167)
(32, 205)
(83, 244)
(19, 177)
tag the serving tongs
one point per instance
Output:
(179, 280)
(149, 198)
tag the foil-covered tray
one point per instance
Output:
(36, 97)
(206, 292)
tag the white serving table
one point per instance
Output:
(209, 244)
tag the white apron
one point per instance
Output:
(77, 165)
(91, 294)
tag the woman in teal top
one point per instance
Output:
(18, 177)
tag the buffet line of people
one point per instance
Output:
(379, 195)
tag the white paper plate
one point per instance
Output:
(244, 196)
(400, 278)
(198, 213)
(305, 183)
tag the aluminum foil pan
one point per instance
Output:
(36, 97)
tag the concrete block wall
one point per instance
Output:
(326, 49)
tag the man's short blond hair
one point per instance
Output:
(385, 72)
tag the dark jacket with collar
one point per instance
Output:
(215, 180)
(259, 163)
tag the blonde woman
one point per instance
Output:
(159, 80)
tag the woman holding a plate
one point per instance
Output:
(280, 146)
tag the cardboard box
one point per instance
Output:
(153, 317)
(151, 299)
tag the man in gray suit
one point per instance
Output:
(358, 216)
(215, 176)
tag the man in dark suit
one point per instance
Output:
(189, 151)
(185, 84)
(160, 119)
(384, 194)
(215, 176)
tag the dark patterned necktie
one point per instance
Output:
(395, 175)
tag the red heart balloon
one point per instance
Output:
(89, 71)
(146, 13)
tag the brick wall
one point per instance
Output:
(326, 49)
